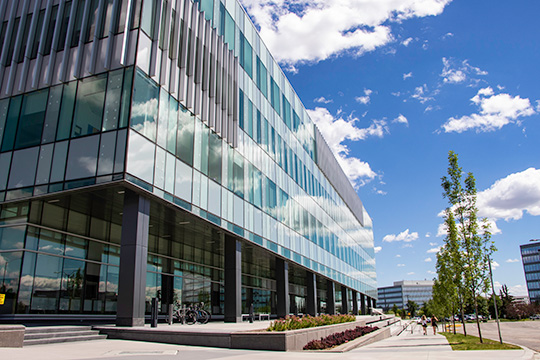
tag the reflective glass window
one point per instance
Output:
(106, 153)
(64, 27)
(91, 24)
(214, 198)
(144, 109)
(172, 125)
(126, 97)
(169, 173)
(207, 6)
(66, 111)
(140, 157)
(214, 157)
(163, 118)
(25, 288)
(71, 295)
(12, 238)
(4, 106)
(229, 30)
(82, 158)
(89, 106)
(148, 17)
(185, 137)
(248, 59)
(78, 22)
(238, 175)
(24, 40)
(59, 161)
(50, 30)
(31, 119)
(120, 151)
(106, 20)
(183, 184)
(204, 149)
(11, 123)
(44, 165)
(37, 35)
(11, 46)
(51, 117)
(112, 102)
(47, 284)
(23, 168)
(5, 161)
(159, 173)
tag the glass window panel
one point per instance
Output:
(238, 211)
(145, 106)
(248, 59)
(183, 179)
(126, 97)
(111, 293)
(106, 153)
(24, 39)
(169, 173)
(5, 161)
(44, 165)
(11, 46)
(51, 117)
(214, 158)
(25, 288)
(12, 238)
(207, 6)
(214, 198)
(31, 119)
(112, 102)
(63, 29)
(173, 125)
(47, 284)
(4, 105)
(11, 266)
(148, 17)
(82, 159)
(120, 151)
(121, 16)
(185, 137)
(140, 157)
(3, 30)
(106, 20)
(37, 35)
(50, 30)
(204, 149)
(91, 24)
(163, 118)
(78, 22)
(159, 174)
(59, 161)
(11, 123)
(66, 111)
(75, 247)
(162, 32)
(229, 30)
(89, 106)
(23, 169)
(238, 174)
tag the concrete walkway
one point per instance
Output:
(405, 346)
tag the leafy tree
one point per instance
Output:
(395, 309)
(492, 307)
(468, 238)
(506, 299)
(412, 307)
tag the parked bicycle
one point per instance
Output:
(191, 314)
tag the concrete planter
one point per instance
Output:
(11, 335)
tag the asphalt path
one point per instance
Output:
(524, 333)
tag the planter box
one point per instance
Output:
(11, 335)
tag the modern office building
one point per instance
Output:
(419, 291)
(155, 148)
(530, 256)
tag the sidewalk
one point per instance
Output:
(406, 346)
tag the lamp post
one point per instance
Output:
(494, 300)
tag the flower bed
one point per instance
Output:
(295, 322)
(339, 338)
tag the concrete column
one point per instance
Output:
(369, 305)
(330, 297)
(311, 282)
(282, 286)
(355, 302)
(233, 280)
(374, 303)
(133, 258)
(344, 300)
(362, 304)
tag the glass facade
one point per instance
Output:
(530, 256)
(402, 291)
(205, 125)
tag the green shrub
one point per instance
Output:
(295, 322)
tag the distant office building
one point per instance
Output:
(419, 291)
(155, 149)
(530, 255)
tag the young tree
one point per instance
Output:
(473, 235)
(395, 309)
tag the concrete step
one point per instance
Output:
(55, 329)
(45, 335)
(55, 340)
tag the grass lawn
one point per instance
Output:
(462, 342)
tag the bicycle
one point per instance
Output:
(203, 316)
(185, 315)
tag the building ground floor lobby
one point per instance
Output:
(105, 252)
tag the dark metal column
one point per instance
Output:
(344, 300)
(355, 302)
(363, 304)
(368, 305)
(233, 280)
(330, 297)
(282, 284)
(311, 282)
(133, 258)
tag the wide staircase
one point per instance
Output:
(56, 334)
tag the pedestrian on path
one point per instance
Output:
(434, 324)
(424, 324)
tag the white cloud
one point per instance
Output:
(323, 100)
(377, 249)
(404, 236)
(421, 94)
(407, 75)
(366, 98)
(400, 265)
(509, 197)
(428, 259)
(455, 72)
(407, 41)
(299, 31)
(401, 120)
(495, 111)
(398, 256)
(431, 272)
(512, 260)
(494, 264)
(411, 273)
(434, 250)
(432, 243)
(336, 130)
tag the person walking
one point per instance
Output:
(424, 324)
(434, 324)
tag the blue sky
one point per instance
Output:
(394, 85)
